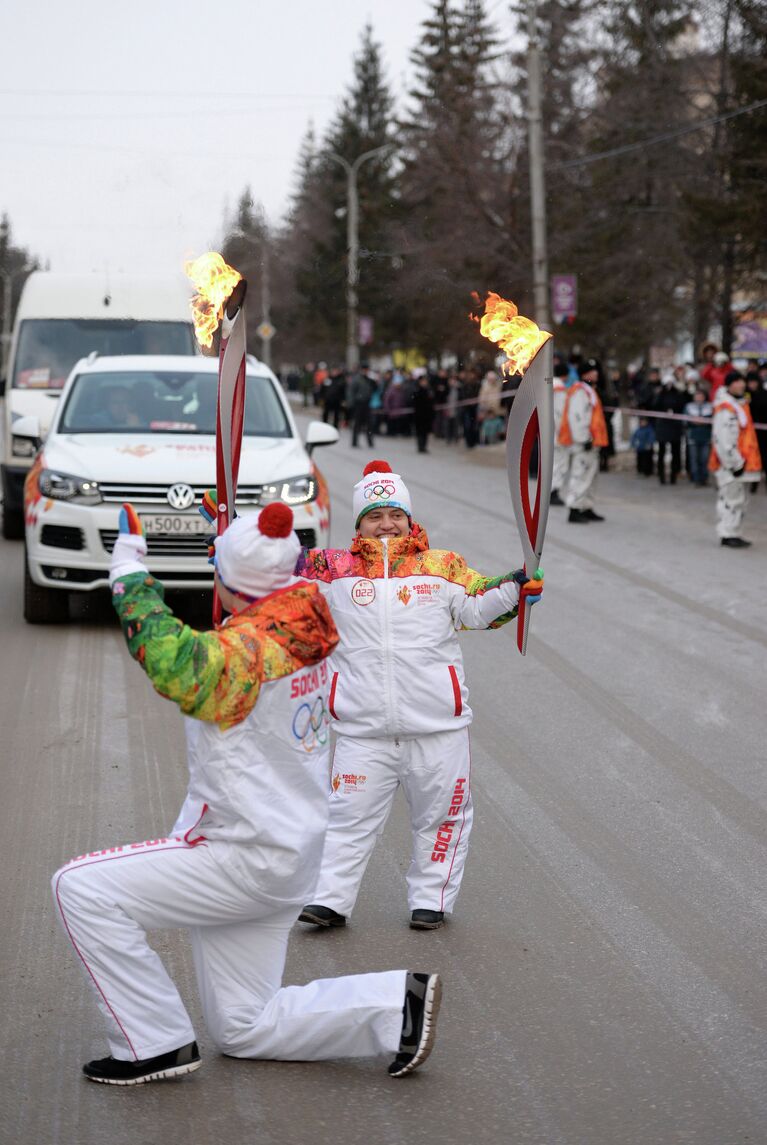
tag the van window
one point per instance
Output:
(48, 348)
(145, 401)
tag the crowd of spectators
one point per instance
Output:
(467, 405)
(668, 411)
(672, 433)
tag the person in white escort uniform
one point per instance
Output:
(244, 854)
(561, 452)
(398, 698)
(582, 432)
(734, 460)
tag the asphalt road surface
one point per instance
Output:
(604, 970)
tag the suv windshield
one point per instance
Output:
(142, 401)
(49, 347)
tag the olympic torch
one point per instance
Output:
(220, 300)
(529, 352)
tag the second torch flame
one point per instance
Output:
(214, 281)
(518, 337)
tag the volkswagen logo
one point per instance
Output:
(180, 496)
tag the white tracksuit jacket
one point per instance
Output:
(244, 855)
(399, 703)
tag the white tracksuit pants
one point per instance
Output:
(435, 774)
(560, 468)
(107, 900)
(584, 466)
(730, 505)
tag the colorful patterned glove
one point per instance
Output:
(130, 522)
(209, 510)
(209, 506)
(130, 546)
(530, 587)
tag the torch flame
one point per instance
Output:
(214, 281)
(518, 337)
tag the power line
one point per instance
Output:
(194, 94)
(666, 137)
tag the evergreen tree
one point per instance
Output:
(319, 219)
(627, 248)
(17, 263)
(456, 234)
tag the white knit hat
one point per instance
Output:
(379, 489)
(258, 552)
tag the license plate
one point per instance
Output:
(174, 525)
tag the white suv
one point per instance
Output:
(142, 429)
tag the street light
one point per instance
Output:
(266, 294)
(352, 243)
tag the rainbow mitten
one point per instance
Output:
(130, 521)
(209, 510)
(130, 546)
(530, 587)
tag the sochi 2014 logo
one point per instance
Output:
(380, 491)
(363, 592)
(311, 724)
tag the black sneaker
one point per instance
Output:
(427, 919)
(590, 515)
(577, 517)
(555, 499)
(110, 1071)
(423, 994)
(736, 543)
(321, 916)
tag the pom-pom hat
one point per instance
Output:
(379, 489)
(258, 552)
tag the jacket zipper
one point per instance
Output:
(387, 642)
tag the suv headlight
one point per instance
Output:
(65, 487)
(294, 491)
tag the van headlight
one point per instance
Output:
(65, 487)
(294, 491)
(23, 447)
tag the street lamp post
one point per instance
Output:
(352, 245)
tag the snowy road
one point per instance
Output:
(605, 970)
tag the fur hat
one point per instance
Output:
(379, 489)
(258, 552)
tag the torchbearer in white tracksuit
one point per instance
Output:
(398, 699)
(244, 853)
(735, 459)
(561, 452)
(582, 431)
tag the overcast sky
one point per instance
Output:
(127, 130)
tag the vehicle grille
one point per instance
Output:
(163, 544)
(62, 537)
(168, 545)
(140, 494)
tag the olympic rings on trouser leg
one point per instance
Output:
(311, 724)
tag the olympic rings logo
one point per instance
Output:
(311, 724)
(380, 492)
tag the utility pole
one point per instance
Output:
(537, 180)
(352, 248)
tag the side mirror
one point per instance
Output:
(319, 433)
(27, 426)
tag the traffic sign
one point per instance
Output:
(266, 331)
